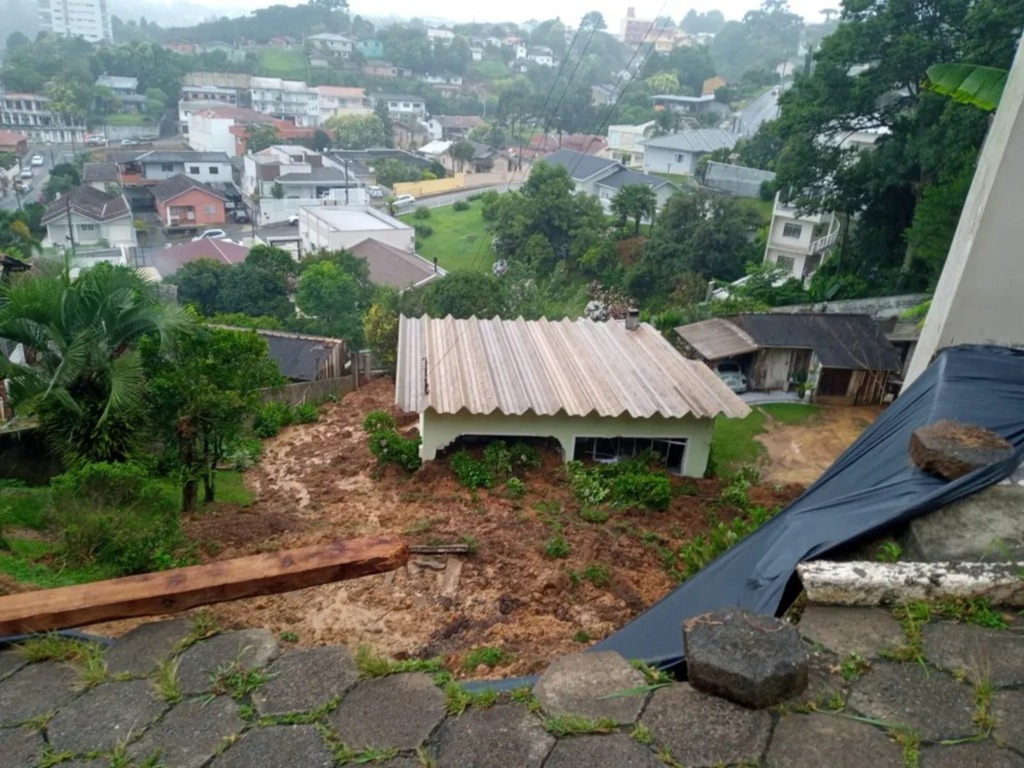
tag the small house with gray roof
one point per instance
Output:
(86, 216)
(680, 152)
(603, 178)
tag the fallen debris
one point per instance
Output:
(951, 449)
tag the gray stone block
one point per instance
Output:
(139, 651)
(616, 750)
(20, 747)
(398, 711)
(305, 680)
(191, 733)
(983, 754)
(277, 746)
(994, 655)
(498, 737)
(754, 660)
(575, 685)
(951, 449)
(927, 701)
(701, 730)
(99, 719)
(816, 741)
(249, 648)
(1008, 709)
(986, 526)
(402, 762)
(845, 631)
(35, 690)
(10, 662)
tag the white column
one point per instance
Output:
(979, 296)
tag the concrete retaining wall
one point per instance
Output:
(880, 308)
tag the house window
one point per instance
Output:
(86, 227)
(193, 169)
(613, 449)
(680, 158)
(167, 167)
(792, 230)
(210, 209)
(785, 262)
(214, 170)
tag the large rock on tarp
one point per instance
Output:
(751, 659)
(951, 449)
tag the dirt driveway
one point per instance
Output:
(800, 453)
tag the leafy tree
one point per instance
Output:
(636, 202)
(63, 176)
(710, 22)
(199, 283)
(593, 20)
(200, 392)
(461, 153)
(277, 262)
(357, 131)
(390, 172)
(464, 293)
(663, 82)
(261, 136)
(84, 380)
(380, 331)
(253, 291)
(16, 236)
(492, 136)
(17, 40)
(330, 295)
(764, 38)
(380, 110)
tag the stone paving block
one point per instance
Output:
(846, 630)
(402, 762)
(996, 655)
(86, 764)
(396, 711)
(191, 733)
(825, 685)
(575, 684)
(751, 659)
(307, 679)
(617, 750)
(251, 648)
(817, 741)
(1008, 709)
(984, 526)
(139, 651)
(20, 746)
(951, 449)
(10, 662)
(498, 737)
(983, 754)
(100, 718)
(928, 701)
(701, 730)
(277, 746)
(35, 690)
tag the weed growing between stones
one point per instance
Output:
(165, 681)
(889, 551)
(91, 668)
(983, 717)
(488, 656)
(571, 725)
(642, 734)
(425, 758)
(311, 717)
(912, 618)
(526, 698)
(970, 611)
(345, 755)
(852, 667)
(666, 757)
(40, 721)
(911, 744)
(235, 681)
(458, 699)
(204, 625)
(372, 664)
(51, 757)
(54, 647)
(289, 637)
(653, 675)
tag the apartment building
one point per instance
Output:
(88, 19)
(402, 106)
(337, 100)
(798, 241)
(30, 114)
(290, 100)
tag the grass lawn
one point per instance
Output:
(278, 62)
(733, 444)
(490, 69)
(763, 207)
(127, 119)
(460, 240)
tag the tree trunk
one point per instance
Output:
(209, 485)
(187, 455)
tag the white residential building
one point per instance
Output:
(439, 35)
(88, 19)
(625, 143)
(30, 114)
(287, 99)
(336, 100)
(85, 216)
(402, 106)
(797, 242)
(542, 55)
(332, 44)
(343, 227)
(680, 152)
(300, 171)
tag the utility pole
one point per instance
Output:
(71, 227)
(345, 164)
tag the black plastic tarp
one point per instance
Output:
(872, 487)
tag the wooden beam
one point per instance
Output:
(171, 591)
(439, 549)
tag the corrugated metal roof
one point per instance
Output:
(716, 338)
(580, 367)
(696, 140)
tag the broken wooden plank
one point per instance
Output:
(439, 549)
(171, 591)
(450, 577)
(870, 583)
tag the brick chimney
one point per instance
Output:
(632, 319)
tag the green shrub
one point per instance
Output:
(307, 413)
(594, 514)
(423, 230)
(524, 456)
(379, 420)
(244, 453)
(598, 575)
(515, 488)
(271, 418)
(460, 205)
(498, 459)
(627, 485)
(642, 491)
(422, 213)
(472, 473)
(557, 547)
(390, 447)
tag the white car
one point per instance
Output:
(294, 219)
(211, 234)
(26, 173)
(403, 200)
(732, 375)
(37, 160)
(375, 192)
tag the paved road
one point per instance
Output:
(765, 107)
(54, 154)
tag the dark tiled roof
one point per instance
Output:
(167, 261)
(625, 176)
(89, 202)
(296, 355)
(839, 341)
(179, 184)
(100, 172)
(392, 266)
(579, 164)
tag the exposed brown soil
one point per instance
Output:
(800, 453)
(317, 483)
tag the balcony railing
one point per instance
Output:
(824, 243)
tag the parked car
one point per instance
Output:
(375, 192)
(240, 216)
(37, 160)
(404, 200)
(129, 142)
(732, 375)
(210, 234)
(26, 173)
(294, 219)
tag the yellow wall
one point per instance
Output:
(440, 430)
(431, 187)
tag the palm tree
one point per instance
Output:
(634, 201)
(82, 376)
(16, 236)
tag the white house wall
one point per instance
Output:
(661, 160)
(440, 430)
